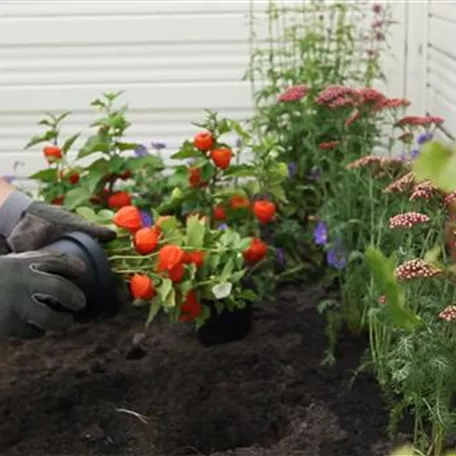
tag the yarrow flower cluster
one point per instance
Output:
(450, 199)
(294, 93)
(329, 145)
(408, 220)
(402, 184)
(424, 190)
(419, 121)
(417, 268)
(394, 103)
(332, 93)
(364, 162)
(448, 314)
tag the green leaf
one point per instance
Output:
(164, 289)
(116, 164)
(126, 146)
(69, 142)
(46, 175)
(76, 196)
(240, 171)
(151, 161)
(105, 215)
(153, 311)
(248, 295)
(87, 213)
(437, 163)
(95, 144)
(382, 269)
(187, 151)
(196, 230)
(205, 314)
(48, 136)
(227, 270)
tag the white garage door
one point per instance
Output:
(173, 59)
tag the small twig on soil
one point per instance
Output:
(140, 417)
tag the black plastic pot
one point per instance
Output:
(225, 327)
(98, 283)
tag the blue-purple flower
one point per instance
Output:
(146, 218)
(222, 227)
(280, 256)
(141, 150)
(424, 138)
(292, 169)
(321, 234)
(158, 146)
(9, 178)
(336, 256)
(414, 154)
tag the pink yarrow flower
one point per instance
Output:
(417, 268)
(294, 93)
(448, 314)
(408, 220)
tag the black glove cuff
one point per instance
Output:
(12, 211)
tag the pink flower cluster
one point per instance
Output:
(394, 103)
(419, 121)
(416, 268)
(424, 190)
(294, 93)
(332, 93)
(450, 199)
(364, 162)
(408, 220)
(329, 145)
(402, 184)
(448, 314)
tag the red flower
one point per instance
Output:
(169, 257)
(146, 240)
(194, 177)
(423, 121)
(142, 287)
(196, 257)
(71, 176)
(128, 218)
(176, 273)
(58, 201)
(219, 213)
(203, 141)
(222, 157)
(256, 251)
(333, 92)
(329, 145)
(294, 93)
(119, 199)
(190, 308)
(239, 202)
(264, 210)
(52, 153)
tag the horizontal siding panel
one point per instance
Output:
(141, 96)
(440, 105)
(440, 33)
(445, 10)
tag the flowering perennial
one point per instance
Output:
(416, 268)
(448, 314)
(408, 220)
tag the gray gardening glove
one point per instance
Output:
(27, 225)
(36, 294)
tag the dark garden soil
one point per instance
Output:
(266, 395)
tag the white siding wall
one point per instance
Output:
(173, 59)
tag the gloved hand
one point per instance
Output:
(27, 225)
(36, 294)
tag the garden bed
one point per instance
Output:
(265, 395)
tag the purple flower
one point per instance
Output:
(321, 234)
(336, 256)
(403, 156)
(9, 178)
(141, 150)
(280, 256)
(292, 169)
(424, 138)
(146, 218)
(414, 154)
(222, 227)
(314, 174)
(158, 146)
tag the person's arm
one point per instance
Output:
(5, 189)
